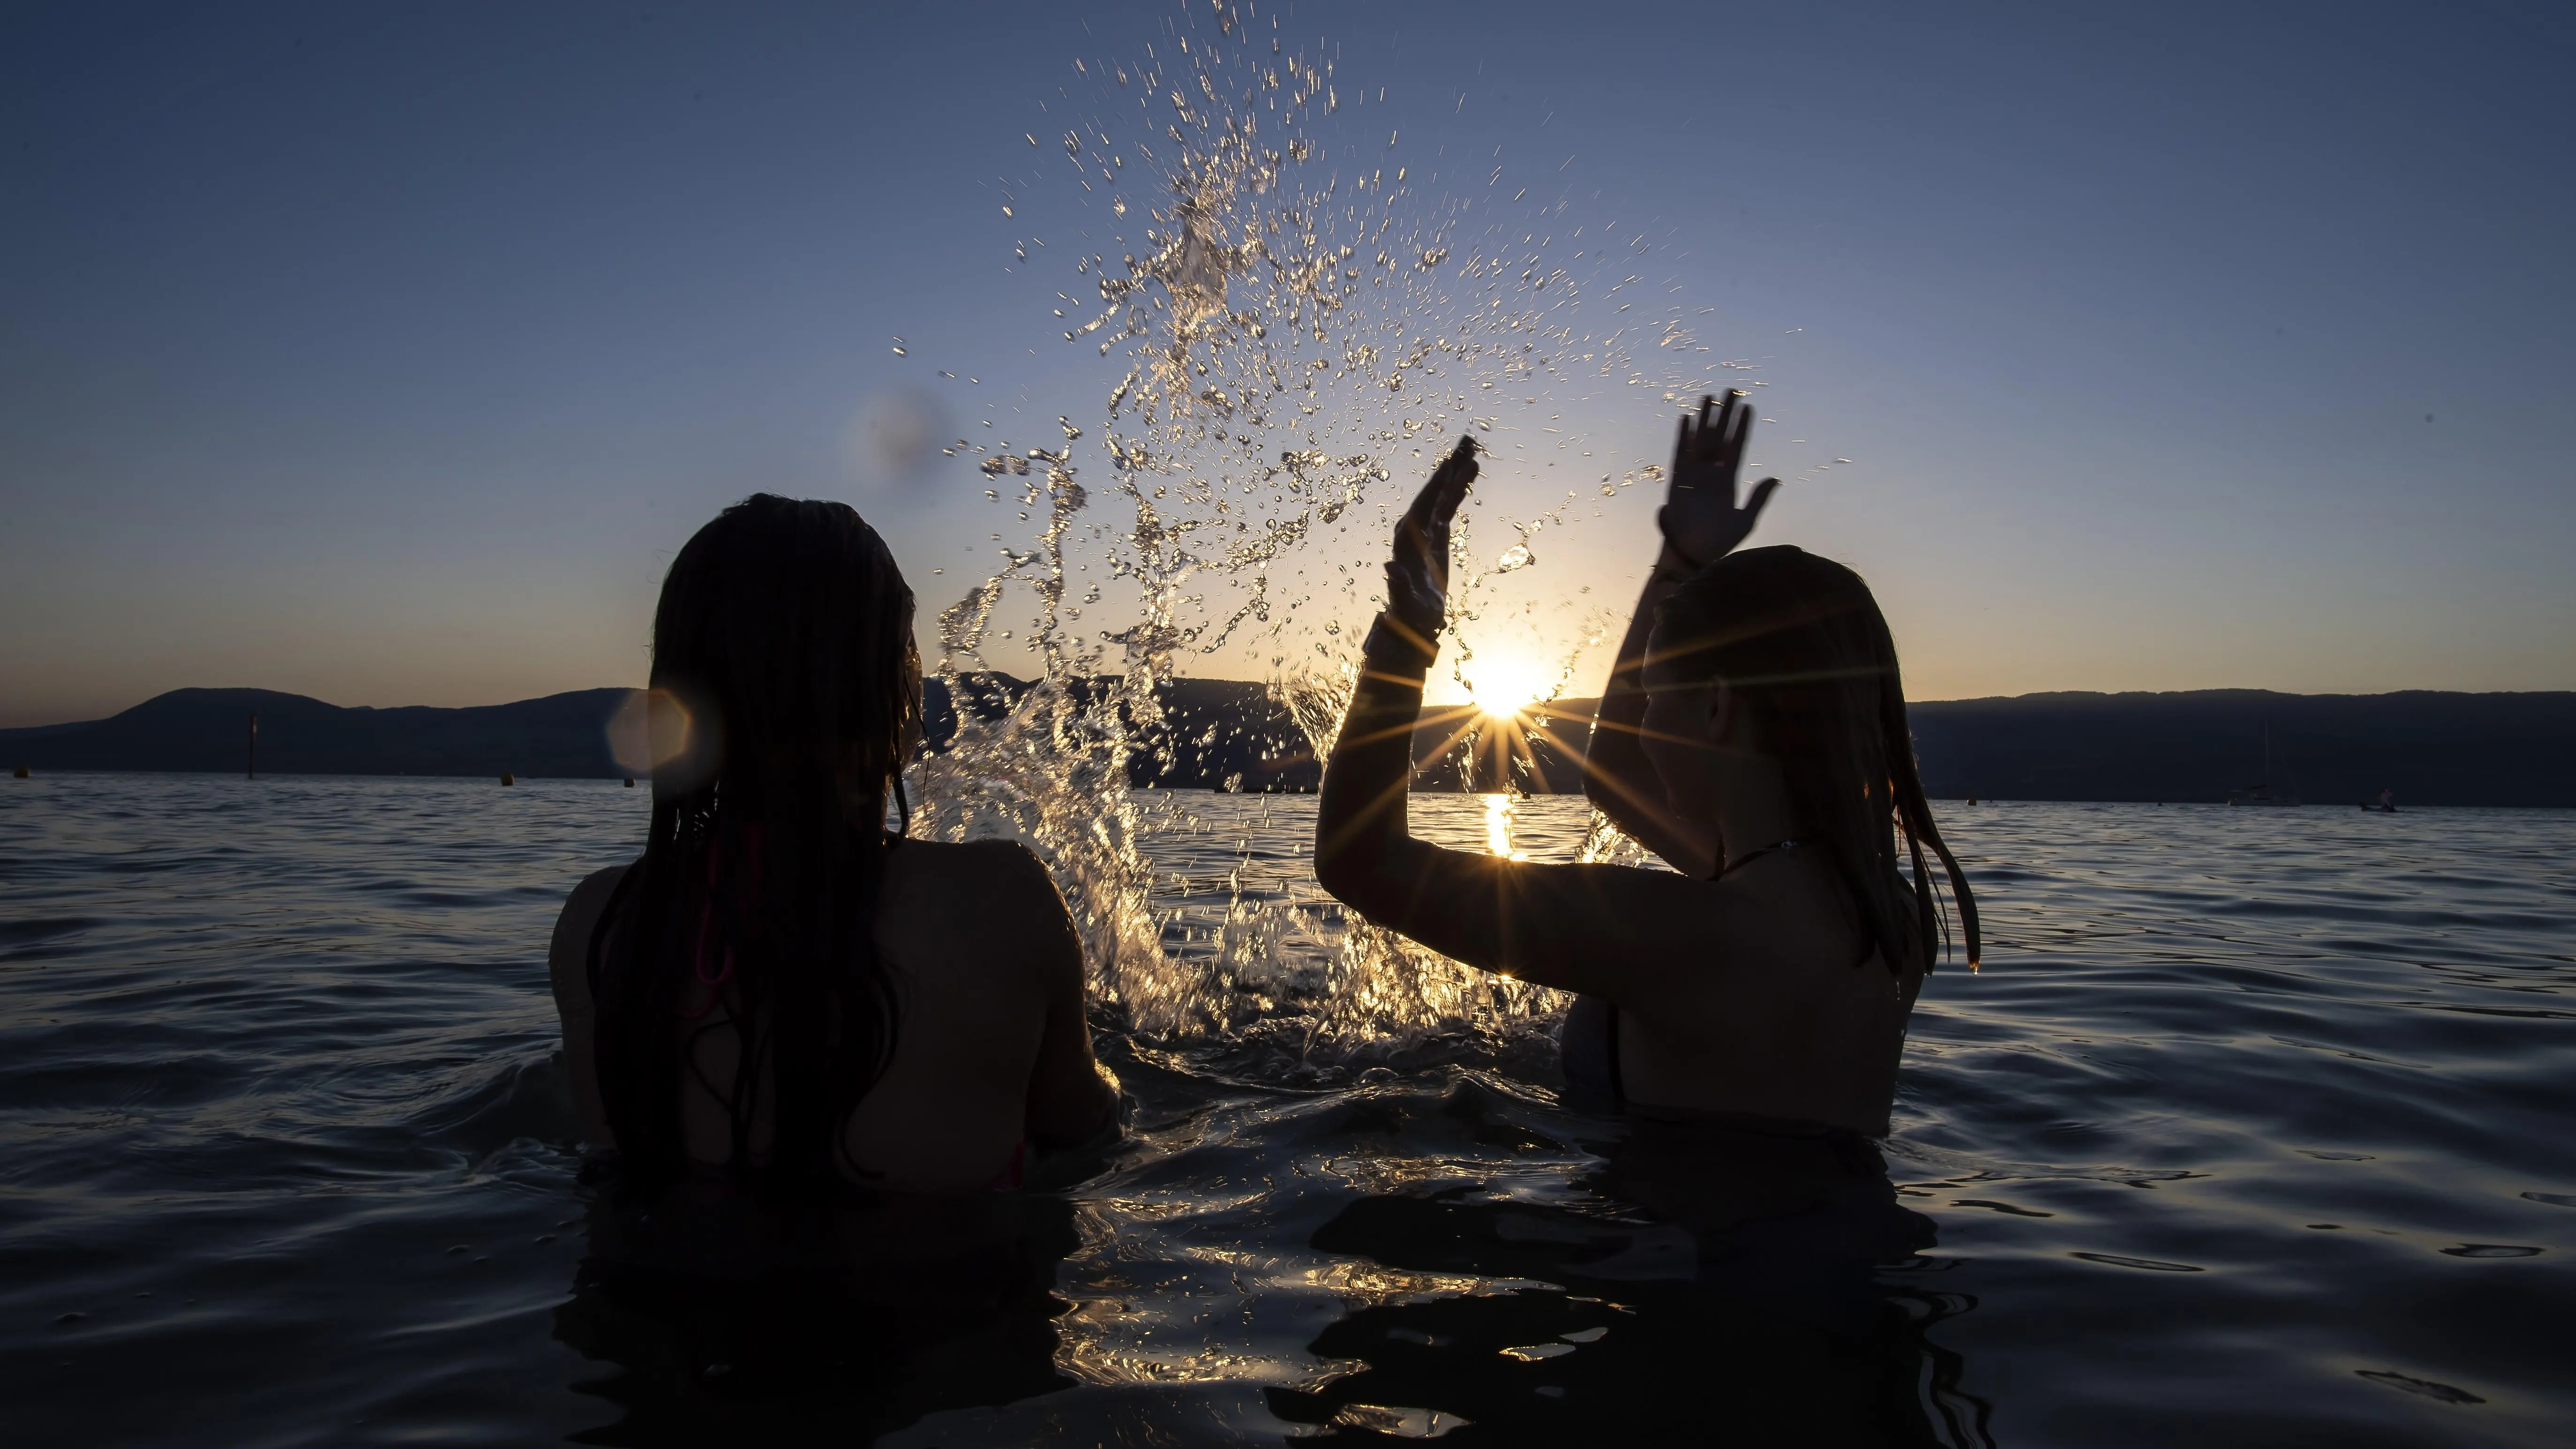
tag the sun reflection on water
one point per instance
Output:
(1498, 828)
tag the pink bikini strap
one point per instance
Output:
(707, 917)
(1009, 1178)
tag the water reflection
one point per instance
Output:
(1725, 1279)
(726, 1321)
(1498, 828)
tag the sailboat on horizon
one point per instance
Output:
(2264, 794)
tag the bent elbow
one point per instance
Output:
(1337, 874)
(1349, 874)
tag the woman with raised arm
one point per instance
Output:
(781, 992)
(1753, 735)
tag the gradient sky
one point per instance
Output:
(386, 354)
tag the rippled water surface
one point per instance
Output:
(2254, 1129)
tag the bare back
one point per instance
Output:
(1753, 995)
(1759, 994)
(991, 1048)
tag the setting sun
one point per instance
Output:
(1503, 685)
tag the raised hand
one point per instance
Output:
(1417, 576)
(1699, 516)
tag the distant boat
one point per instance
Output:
(2264, 794)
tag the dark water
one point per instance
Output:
(2255, 1130)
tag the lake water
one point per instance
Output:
(2255, 1129)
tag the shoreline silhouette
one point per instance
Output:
(2433, 747)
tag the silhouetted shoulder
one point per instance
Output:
(994, 895)
(568, 954)
(568, 969)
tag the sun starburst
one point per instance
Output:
(1504, 685)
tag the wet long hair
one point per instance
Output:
(1802, 648)
(784, 680)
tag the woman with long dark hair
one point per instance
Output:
(781, 989)
(1753, 736)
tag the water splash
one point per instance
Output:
(1290, 325)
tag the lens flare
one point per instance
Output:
(654, 733)
(630, 737)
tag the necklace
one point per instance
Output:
(1741, 861)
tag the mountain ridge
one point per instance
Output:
(2430, 746)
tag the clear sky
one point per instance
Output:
(385, 354)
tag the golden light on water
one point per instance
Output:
(1498, 828)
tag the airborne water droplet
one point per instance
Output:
(1258, 312)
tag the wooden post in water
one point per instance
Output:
(250, 764)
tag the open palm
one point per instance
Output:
(1699, 516)
(1417, 576)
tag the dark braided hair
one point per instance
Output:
(785, 683)
(1800, 644)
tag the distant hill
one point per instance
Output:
(208, 729)
(2431, 748)
(1214, 729)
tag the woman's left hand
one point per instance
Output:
(1699, 517)
(1417, 577)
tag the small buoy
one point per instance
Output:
(508, 778)
(22, 772)
(630, 782)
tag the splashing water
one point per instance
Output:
(1291, 328)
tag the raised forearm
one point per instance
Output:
(1613, 758)
(1362, 821)
(1618, 778)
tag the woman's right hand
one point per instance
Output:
(1417, 575)
(1699, 517)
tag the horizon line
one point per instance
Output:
(1536, 706)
